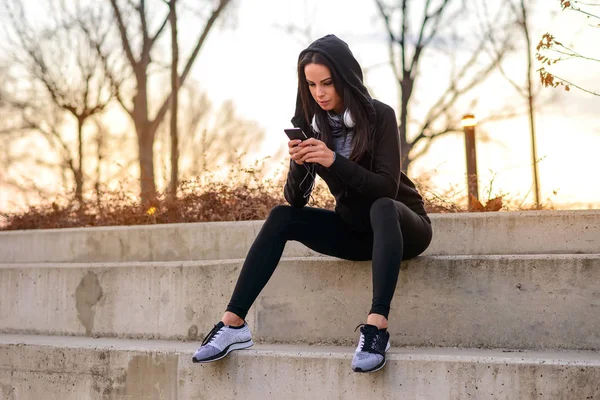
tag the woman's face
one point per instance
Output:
(321, 87)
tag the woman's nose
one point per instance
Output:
(320, 91)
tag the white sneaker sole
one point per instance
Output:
(235, 346)
(378, 367)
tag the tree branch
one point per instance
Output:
(391, 39)
(207, 28)
(450, 128)
(67, 157)
(165, 106)
(490, 34)
(114, 83)
(515, 85)
(436, 16)
(123, 33)
(569, 83)
(154, 38)
(142, 11)
(444, 104)
(403, 35)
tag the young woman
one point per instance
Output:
(379, 215)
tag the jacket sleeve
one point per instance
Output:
(297, 185)
(383, 181)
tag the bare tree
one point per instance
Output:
(408, 46)
(62, 72)
(174, 99)
(551, 51)
(138, 43)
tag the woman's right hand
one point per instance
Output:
(294, 148)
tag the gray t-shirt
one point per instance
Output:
(343, 144)
(342, 139)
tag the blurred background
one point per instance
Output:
(141, 95)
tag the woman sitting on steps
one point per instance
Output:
(353, 146)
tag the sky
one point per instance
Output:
(568, 129)
(251, 59)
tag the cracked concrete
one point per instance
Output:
(87, 295)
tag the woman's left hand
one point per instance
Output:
(314, 151)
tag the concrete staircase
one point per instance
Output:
(501, 306)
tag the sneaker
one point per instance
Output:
(370, 353)
(222, 340)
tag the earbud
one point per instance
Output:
(346, 119)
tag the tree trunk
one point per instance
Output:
(146, 156)
(531, 105)
(533, 146)
(174, 101)
(405, 147)
(100, 142)
(145, 135)
(79, 169)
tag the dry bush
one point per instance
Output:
(244, 195)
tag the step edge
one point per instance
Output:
(446, 354)
(309, 259)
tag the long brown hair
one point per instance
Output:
(360, 140)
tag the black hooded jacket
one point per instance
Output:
(356, 185)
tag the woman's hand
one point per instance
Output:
(293, 149)
(313, 151)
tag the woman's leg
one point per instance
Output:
(318, 229)
(398, 234)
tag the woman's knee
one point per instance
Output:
(384, 207)
(281, 210)
(281, 214)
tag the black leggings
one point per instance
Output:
(397, 234)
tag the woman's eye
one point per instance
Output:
(328, 83)
(311, 84)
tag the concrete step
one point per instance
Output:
(544, 232)
(68, 368)
(519, 301)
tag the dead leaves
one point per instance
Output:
(494, 204)
(547, 41)
(549, 80)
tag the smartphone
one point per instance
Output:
(295, 134)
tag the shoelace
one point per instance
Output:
(212, 334)
(370, 341)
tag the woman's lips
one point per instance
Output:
(322, 103)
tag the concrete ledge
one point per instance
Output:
(521, 302)
(79, 368)
(545, 232)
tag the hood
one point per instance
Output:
(340, 56)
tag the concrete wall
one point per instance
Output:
(546, 232)
(104, 369)
(535, 302)
(501, 280)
